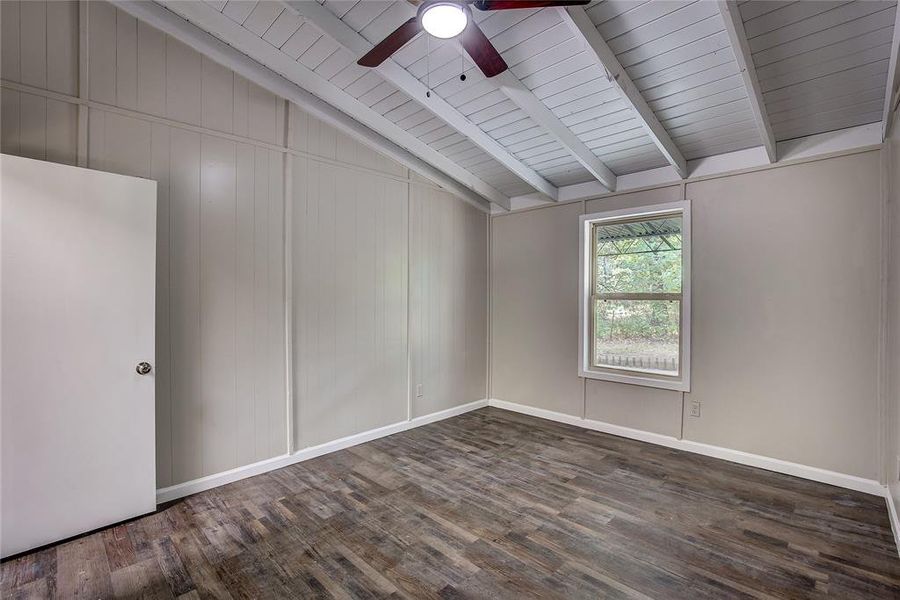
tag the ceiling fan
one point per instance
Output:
(447, 19)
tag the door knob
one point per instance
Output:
(143, 368)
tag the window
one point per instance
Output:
(635, 304)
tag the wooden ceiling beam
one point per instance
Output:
(580, 24)
(506, 82)
(893, 79)
(734, 26)
(406, 82)
(532, 106)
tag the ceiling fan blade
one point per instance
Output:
(482, 50)
(396, 40)
(511, 4)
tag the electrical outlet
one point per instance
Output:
(419, 392)
(695, 408)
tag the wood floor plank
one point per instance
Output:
(82, 569)
(490, 504)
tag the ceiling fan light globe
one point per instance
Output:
(444, 20)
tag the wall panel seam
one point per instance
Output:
(83, 82)
(287, 260)
(884, 470)
(235, 304)
(199, 290)
(170, 308)
(489, 304)
(48, 94)
(409, 229)
(583, 379)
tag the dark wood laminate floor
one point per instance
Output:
(490, 504)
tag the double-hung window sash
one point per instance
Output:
(636, 294)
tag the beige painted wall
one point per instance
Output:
(215, 142)
(786, 289)
(534, 309)
(784, 350)
(647, 409)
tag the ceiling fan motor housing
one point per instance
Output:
(453, 18)
(444, 18)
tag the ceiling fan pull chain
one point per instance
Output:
(428, 65)
(462, 62)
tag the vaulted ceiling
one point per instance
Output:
(593, 92)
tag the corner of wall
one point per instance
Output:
(891, 315)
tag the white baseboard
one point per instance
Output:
(892, 514)
(869, 486)
(201, 484)
(852, 482)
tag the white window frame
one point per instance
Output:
(585, 369)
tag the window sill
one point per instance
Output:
(642, 379)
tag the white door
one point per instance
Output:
(77, 286)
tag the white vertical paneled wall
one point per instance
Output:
(373, 292)
(220, 284)
(220, 275)
(350, 286)
(448, 300)
(39, 48)
(37, 127)
(350, 301)
(373, 254)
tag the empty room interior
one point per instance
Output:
(443, 299)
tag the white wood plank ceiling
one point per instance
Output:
(819, 66)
